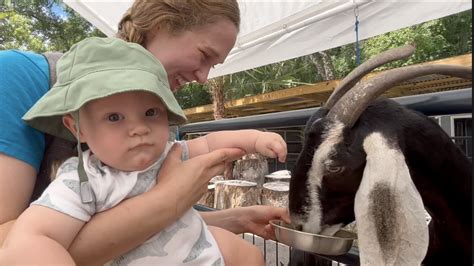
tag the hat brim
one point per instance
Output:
(46, 114)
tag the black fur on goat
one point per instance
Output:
(381, 164)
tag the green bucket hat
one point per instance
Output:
(95, 68)
(92, 69)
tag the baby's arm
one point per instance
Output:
(41, 236)
(267, 143)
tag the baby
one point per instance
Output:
(114, 96)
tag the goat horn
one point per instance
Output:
(350, 80)
(352, 104)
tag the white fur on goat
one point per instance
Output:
(321, 159)
(388, 208)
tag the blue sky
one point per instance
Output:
(59, 10)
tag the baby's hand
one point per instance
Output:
(271, 145)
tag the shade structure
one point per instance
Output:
(277, 30)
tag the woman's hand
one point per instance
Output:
(252, 219)
(256, 219)
(186, 181)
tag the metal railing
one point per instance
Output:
(465, 144)
(279, 254)
(439, 103)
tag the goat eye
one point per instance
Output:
(334, 169)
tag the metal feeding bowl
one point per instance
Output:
(338, 244)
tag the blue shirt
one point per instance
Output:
(24, 78)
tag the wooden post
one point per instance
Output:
(275, 194)
(216, 178)
(252, 167)
(235, 193)
(208, 198)
(282, 175)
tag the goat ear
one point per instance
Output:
(390, 215)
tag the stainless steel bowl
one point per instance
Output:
(338, 244)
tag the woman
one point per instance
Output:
(188, 37)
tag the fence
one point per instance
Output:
(465, 144)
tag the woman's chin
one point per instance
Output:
(175, 88)
(174, 85)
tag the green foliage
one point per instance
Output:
(193, 94)
(33, 25)
(16, 33)
(436, 39)
(344, 59)
(5, 3)
(430, 45)
(270, 78)
(457, 30)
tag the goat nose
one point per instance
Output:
(298, 227)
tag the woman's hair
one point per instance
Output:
(175, 16)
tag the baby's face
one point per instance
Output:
(127, 131)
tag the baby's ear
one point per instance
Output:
(70, 123)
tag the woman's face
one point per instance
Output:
(190, 55)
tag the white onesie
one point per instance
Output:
(186, 242)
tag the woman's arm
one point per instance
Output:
(21, 148)
(267, 143)
(252, 219)
(17, 180)
(118, 230)
(132, 222)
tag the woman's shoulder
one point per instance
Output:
(12, 60)
(24, 79)
(25, 76)
(19, 56)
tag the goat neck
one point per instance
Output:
(442, 175)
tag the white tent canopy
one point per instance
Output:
(277, 30)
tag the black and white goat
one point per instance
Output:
(380, 164)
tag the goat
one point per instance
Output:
(381, 164)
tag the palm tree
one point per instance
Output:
(216, 87)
